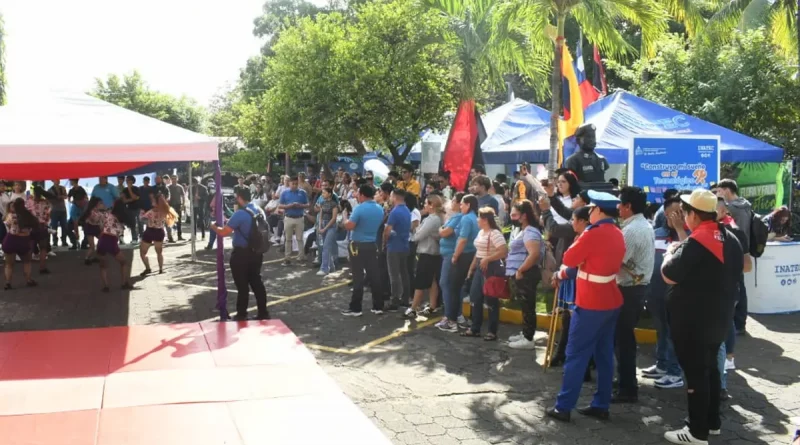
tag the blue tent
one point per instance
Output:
(504, 124)
(621, 116)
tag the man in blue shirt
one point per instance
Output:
(395, 236)
(482, 184)
(245, 263)
(106, 192)
(293, 202)
(363, 226)
(75, 212)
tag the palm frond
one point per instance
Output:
(651, 17)
(783, 29)
(598, 20)
(726, 18)
(687, 12)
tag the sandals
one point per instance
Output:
(145, 273)
(44, 271)
(31, 283)
(487, 337)
(8, 286)
(127, 286)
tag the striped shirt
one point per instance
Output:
(484, 248)
(639, 251)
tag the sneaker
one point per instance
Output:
(35, 257)
(669, 382)
(321, 273)
(724, 396)
(391, 308)
(286, 263)
(51, 253)
(441, 323)
(463, 322)
(729, 364)
(711, 432)
(522, 343)
(377, 311)
(653, 372)
(449, 326)
(682, 436)
(516, 337)
(351, 313)
(410, 314)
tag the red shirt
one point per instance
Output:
(598, 251)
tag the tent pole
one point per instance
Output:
(191, 215)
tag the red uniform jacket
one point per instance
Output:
(598, 252)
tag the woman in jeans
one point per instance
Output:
(429, 264)
(448, 238)
(490, 246)
(522, 268)
(329, 209)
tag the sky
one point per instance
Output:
(181, 47)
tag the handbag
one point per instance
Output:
(495, 283)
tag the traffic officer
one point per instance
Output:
(597, 254)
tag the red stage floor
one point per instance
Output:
(248, 383)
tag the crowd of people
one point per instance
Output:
(608, 257)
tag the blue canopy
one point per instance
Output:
(622, 116)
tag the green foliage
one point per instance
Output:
(378, 78)
(744, 85)
(777, 16)
(133, 93)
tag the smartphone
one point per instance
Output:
(545, 182)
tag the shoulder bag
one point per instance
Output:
(495, 283)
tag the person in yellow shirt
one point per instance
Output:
(408, 183)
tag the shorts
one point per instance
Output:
(108, 245)
(152, 235)
(91, 230)
(429, 268)
(40, 233)
(17, 245)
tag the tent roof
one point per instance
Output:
(75, 135)
(622, 116)
(503, 124)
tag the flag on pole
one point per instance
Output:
(588, 92)
(573, 102)
(599, 77)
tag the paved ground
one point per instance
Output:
(419, 385)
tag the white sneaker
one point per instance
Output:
(729, 364)
(653, 372)
(35, 257)
(683, 436)
(515, 337)
(669, 382)
(522, 343)
(321, 274)
(51, 253)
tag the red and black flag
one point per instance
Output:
(463, 149)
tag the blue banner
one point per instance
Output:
(682, 163)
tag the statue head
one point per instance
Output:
(586, 137)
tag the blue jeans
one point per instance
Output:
(444, 287)
(730, 342)
(723, 374)
(329, 251)
(665, 350)
(476, 300)
(591, 334)
(212, 238)
(59, 219)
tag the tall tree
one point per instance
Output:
(778, 16)
(133, 93)
(375, 80)
(745, 85)
(2, 62)
(600, 21)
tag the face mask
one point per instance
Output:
(516, 223)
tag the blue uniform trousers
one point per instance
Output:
(591, 334)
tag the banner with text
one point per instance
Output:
(658, 163)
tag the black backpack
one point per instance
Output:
(259, 238)
(759, 233)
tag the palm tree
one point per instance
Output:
(600, 21)
(2, 62)
(778, 16)
(491, 43)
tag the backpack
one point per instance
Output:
(259, 238)
(549, 266)
(759, 232)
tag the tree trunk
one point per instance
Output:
(555, 87)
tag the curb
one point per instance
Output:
(514, 316)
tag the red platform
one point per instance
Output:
(247, 383)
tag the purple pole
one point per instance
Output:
(222, 291)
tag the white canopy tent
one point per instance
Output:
(73, 135)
